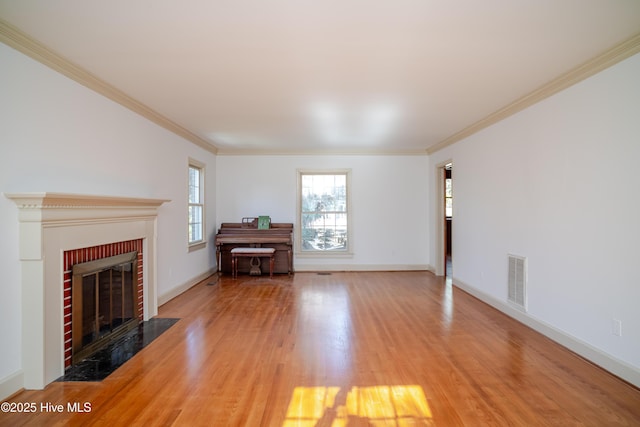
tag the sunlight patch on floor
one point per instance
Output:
(382, 405)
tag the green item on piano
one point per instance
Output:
(264, 222)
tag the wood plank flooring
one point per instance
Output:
(366, 348)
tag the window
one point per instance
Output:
(323, 203)
(448, 193)
(196, 205)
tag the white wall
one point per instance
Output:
(559, 183)
(389, 204)
(58, 136)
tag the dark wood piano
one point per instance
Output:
(247, 234)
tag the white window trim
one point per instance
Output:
(200, 244)
(348, 253)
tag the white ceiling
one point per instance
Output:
(298, 76)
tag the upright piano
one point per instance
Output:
(247, 234)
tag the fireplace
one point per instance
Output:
(97, 263)
(52, 227)
(103, 296)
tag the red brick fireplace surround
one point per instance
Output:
(56, 231)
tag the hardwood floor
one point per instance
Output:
(341, 349)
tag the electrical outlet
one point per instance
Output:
(617, 327)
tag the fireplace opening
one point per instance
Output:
(105, 302)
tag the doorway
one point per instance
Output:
(443, 215)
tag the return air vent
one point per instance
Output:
(518, 281)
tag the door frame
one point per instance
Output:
(440, 218)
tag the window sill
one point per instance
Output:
(197, 246)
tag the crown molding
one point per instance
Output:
(601, 62)
(22, 42)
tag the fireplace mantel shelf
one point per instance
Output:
(53, 209)
(77, 201)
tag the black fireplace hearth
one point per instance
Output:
(113, 355)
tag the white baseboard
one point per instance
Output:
(168, 296)
(604, 360)
(362, 267)
(11, 384)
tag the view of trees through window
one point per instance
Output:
(324, 212)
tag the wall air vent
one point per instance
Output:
(518, 281)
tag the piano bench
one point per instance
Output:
(252, 253)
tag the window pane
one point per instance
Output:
(196, 232)
(194, 185)
(324, 232)
(195, 223)
(324, 193)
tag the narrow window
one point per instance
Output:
(196, 205)
(323, 203)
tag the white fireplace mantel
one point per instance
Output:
(51, 208)
(51, 223)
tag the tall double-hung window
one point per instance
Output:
(324, 214)
(196, 205)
